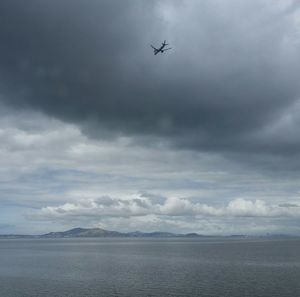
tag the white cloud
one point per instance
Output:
(172, 207)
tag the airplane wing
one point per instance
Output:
(167, 49)
(153, 47)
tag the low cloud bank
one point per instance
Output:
(171, 207)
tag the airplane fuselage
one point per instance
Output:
(161, 49)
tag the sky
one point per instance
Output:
(96, 131)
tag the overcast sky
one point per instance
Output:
(96, 131)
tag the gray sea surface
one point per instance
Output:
(236, 267)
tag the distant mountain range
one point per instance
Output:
(98, 232)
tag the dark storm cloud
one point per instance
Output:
(231, 77)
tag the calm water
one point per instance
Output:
(149, 267)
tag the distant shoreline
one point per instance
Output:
(101, 233)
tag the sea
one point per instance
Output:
(210, 267)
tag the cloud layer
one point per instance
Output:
(229, 85)
(141, 206)
(175, 214)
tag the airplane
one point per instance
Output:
(162, 49)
